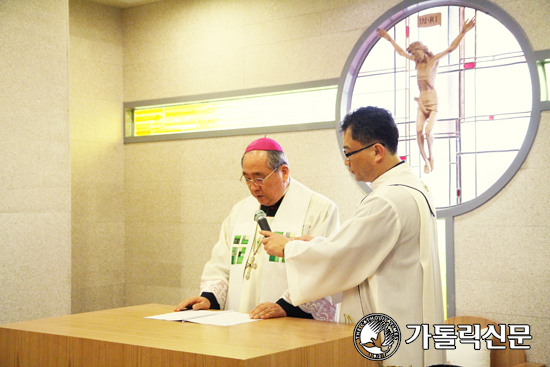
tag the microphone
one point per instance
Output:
(261, 218)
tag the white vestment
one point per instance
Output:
(302, 212)
(384, 259)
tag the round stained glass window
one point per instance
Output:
(485, 121)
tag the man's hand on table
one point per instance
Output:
(197, 303)
(267, 310)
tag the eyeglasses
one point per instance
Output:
(258, 181)
(358, 150)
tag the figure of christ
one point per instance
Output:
(426, 70)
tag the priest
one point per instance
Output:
(385, 257)
(240, 275)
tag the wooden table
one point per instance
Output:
(123, 337)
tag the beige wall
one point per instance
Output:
(178, 193)
(502, 252)
(35, 236)
(202, 47)
(97, 156)
(145, 216)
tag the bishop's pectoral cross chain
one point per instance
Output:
(251, 264)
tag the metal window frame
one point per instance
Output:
(543, 57)
(129, 106)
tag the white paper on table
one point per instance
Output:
(220, 318)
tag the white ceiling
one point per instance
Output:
(124, 3)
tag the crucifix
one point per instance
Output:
(249, 266)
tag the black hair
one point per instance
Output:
(370, 125)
